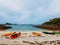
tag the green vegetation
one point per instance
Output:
(53, 24)
(57, 33)
(55, 21)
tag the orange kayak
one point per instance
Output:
(7, 34)
(36, 34)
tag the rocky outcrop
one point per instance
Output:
(4, 27)
(8, 24)
(53, 24)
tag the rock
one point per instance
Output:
(4, 27)
(8, 24)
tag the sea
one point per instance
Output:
(24, 28)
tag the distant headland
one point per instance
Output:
(4, 26)
(53, 24)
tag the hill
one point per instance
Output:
(53, 24)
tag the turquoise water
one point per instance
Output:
(24, 28)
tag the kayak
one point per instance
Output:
(15, 35)
(36, 34)
(49, 33)
(7, 34)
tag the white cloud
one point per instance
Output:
(29, 11)
(14, 5)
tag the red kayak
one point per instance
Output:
(15, 35)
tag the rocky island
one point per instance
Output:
(9, 24)
(53, 24)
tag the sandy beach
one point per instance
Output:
(29, 39)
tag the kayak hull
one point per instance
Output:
(15, 36)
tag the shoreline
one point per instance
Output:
(29, 38)
(47, 28)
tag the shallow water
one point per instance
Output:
(22, 27)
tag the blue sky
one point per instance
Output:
(28, 11)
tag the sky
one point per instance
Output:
(28, 11)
